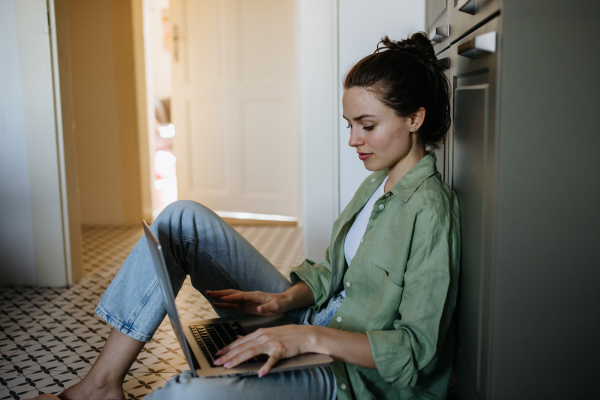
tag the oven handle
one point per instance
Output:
(438, 34)
(468, 6)
(478, 46)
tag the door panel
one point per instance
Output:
(469, 182)
(473, 167)
(234, 104)
(203, 56)
(207, 117)
(261, 179)
(258, 39)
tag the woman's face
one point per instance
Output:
(382, 139)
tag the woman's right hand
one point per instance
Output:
(259, 303)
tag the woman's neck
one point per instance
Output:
(401, 168)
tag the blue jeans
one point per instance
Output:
(196, 242)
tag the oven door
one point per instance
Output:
(472, 172)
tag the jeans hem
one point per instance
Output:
(120, 327)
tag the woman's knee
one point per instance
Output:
(184, 218)
(184, 208)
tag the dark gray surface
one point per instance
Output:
(469, 170)
(524, 164)
(473, 159)
(546, 342)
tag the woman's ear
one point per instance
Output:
(416, 119)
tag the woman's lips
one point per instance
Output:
(364, 156)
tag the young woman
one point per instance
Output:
(381, 303)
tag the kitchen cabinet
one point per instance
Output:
(473, 176)
(437, 13)
(522, 157)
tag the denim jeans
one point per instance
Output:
(196, 242)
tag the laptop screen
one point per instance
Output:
(167, 290)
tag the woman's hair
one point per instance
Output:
(405, 77)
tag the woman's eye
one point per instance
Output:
(369, 128)
(349, 126)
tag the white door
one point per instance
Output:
(234, 104)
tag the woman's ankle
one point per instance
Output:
(91, 389)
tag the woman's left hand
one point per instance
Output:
(278, 342)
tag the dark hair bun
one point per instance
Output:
(418, 44)
(423, 43)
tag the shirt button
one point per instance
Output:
(381, 206)
(339, 319)
(348, 284)
(343, 386)
(373, 180)
(362, 240)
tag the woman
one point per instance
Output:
(382, 301)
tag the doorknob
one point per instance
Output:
(468, 6)
(438, 34)
(175, 43)
(478, 46)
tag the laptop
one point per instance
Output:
(201, 339)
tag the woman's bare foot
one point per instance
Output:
(91, 391)
(86, 390)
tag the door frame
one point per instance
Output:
(47, 239)
(316, 46)
(144, 103)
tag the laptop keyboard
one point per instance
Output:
(213, 337)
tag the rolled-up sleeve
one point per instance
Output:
(413, 342)
(316, 276)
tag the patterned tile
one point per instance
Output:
(11, 344)
(5, 393)
(50, 337)
(138, 385)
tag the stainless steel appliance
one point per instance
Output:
(522, 157)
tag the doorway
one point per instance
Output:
(220, 78)
(161, 130)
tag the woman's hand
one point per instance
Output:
(279, 342)
(266, 304)
(259, 303)
(289, 340)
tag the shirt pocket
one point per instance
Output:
(386, 297)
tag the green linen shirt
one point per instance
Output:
(401, 286)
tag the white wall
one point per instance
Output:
(17, 260)
(316, 44)
(332, 36)
(361, 26)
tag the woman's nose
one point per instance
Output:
(355, 139)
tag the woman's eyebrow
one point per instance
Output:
(360, 117)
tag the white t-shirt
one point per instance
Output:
(359, 227)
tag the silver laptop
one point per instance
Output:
(201, 339)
